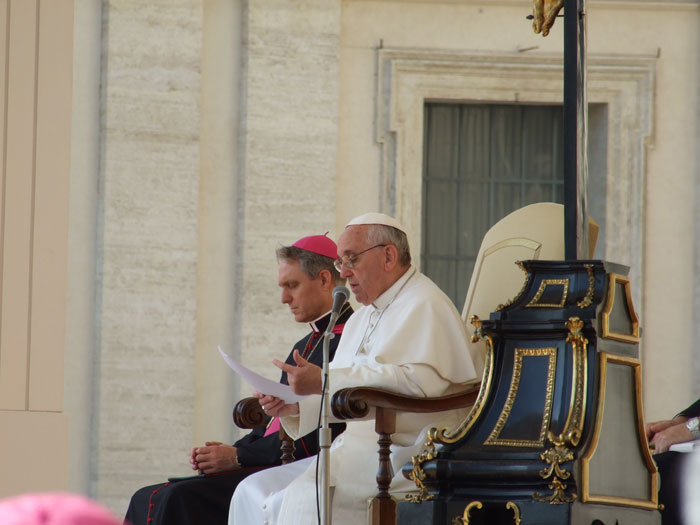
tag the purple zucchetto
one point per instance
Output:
(320, 244)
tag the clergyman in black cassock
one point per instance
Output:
(204, 500)
(671, 467)
(307, 277)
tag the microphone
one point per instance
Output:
(340, 296)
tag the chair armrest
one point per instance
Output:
(354, 403)
(248, 413)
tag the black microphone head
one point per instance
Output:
(340, 295)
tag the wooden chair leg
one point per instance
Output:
(383, 505)
(287, 447)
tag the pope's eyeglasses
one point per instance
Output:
(349, 261)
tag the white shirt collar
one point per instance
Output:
(390, 294)
(313, 324)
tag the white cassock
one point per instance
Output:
(411, 340)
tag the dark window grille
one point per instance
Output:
(482, 162)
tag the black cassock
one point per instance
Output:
(671, 465)
(205, 500)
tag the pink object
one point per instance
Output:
(54, 508)
(320, 244)
(274, 427)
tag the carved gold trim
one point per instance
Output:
(444, 435)
(516, 512)
(560, 453)
(464, 520)
(527, 280)
(588, 299)
(543, 286)
(465, 516)
(613, 280)
(653, 503)
(520, 353)
(555, 457)
(573, 428)
(418, 474)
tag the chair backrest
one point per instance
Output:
(532, 232)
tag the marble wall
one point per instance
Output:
(147, 243)
(218, 139)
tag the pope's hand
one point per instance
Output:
(304, 378)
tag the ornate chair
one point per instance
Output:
(555, 436)
(530, 233)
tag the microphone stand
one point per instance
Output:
(324, 438)
(340, 295)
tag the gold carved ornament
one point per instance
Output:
(544, 13)
(443, 436)
(418, 474)
(544, 284)
(561, 453)
(494, 437)
(464, 520)
(555, 457)
(588, 299)
(522, 289)
(650, 502)
(608, 331)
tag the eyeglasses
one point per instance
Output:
(349, 261)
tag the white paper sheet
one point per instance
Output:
(688, 446)
(260, 383)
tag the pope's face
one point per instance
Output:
(366, 277)
(307, 298)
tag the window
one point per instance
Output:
(482, 162)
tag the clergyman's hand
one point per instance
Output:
(304, 378)
(214, 457)
(276, 407)
(659, 426)
(670, 436)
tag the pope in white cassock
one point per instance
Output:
(408, 338)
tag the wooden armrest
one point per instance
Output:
(248, 413)
(353, 403)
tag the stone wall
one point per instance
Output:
(288, 155)
(147, 244)
(194, 198)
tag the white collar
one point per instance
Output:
(384, 300)
(313, 324)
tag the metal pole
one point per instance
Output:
(575, 132)
(324, 438)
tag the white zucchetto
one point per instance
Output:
(376, 218)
